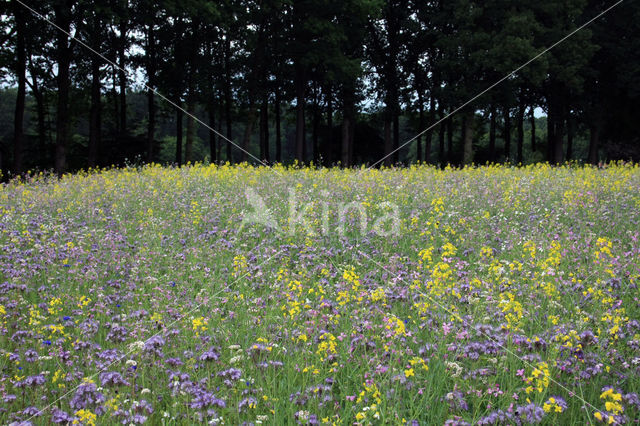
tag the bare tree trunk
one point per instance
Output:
(467, 150)
(21, 65)
(179, 117)
(62, 20)
(441, 138)
(328, 150)
(388, 147)
(532, 119)
(248, 130)
(492, 134)
(520, 126)
(594, 139)
(264, 129)
(315, 127)
(151, 105)
(300, 130)
(570, 130)
(278, 124)
(95, 122)
(449, 140)
(213, 145)
(122, 63)
(191, 125)
(506, 135)
(558, 142)
(420, 125)
(227, 96)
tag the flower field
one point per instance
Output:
(490, 295)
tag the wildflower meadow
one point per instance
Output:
(254, 295)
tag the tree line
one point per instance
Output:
(296, 79)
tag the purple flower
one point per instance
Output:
(112, 378)
(209, 355)
(60, 417)
(88, 397)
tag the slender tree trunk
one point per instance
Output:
(191, 125)
(429, 136)
(116, 107)
(348, 123)
(227, 96)
(63, 21)
(388, 142)
(328, 143)
(248, 130)
(467, 150)
(315, 127)
(179, 117)
(122, 63)
(213, 145)
(151, 105)
(219, 144)
(532, 120)
(507, 134)
(264, 124)
(492, 134)
(95, 121)
(261, 129)
(300, 131)
(420, 125)
(42, 125)
(551, 127)
(520, 125)
(441, 138)
(570, 130)
(278, 124)
(449, 154)
(21, 65)
(594, 139)
(558, 143)
(396, 135)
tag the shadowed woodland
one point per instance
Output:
(328, 82)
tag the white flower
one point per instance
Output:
(131, 363)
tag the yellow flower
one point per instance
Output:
(408, 373)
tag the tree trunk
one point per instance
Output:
(114, 96)
(42, 125)
(122, 64)
(264, 112)
(396, 135)
(520, 125)
(420, 126)
(467, 151)
(569, 136)
(328, 143)
(179, 117)
(558, 142)
(388, 142)
(227, 96)
(594, 139)
(213, 145)
(532, 119)
(507, 134)
(449, 154)
(21, 65)
(551, 139)
(191, 125)
(492, 134)
(441, 137)
(151, 105)
(248, 130)
(429, 136)
(278, 124)
(95, 121)
(63, 21)
(300, 91)
(315, 127)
